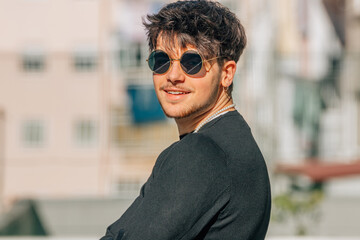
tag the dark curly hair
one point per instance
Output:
(207, 25)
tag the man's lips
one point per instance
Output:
(175, 91)
(175, 94)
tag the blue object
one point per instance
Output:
(144, 104)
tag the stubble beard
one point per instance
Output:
(195, 109)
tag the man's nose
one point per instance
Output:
(175, 73)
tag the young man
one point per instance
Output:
(212, 183)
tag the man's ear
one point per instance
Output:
(228, 73)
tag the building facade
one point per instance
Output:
(78, 115)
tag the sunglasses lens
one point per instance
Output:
(191, 63)
(159, 62)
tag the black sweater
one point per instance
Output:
(209, 185)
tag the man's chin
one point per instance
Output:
(184, 113)
(177, 115)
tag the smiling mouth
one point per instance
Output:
(173, 92)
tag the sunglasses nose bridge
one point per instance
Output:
(174, 59)
(172, 64)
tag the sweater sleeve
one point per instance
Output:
(186, 191)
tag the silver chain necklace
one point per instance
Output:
(215, 115)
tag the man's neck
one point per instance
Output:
(189, 124)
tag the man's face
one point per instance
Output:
(181, 95)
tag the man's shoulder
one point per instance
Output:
(230, 129)
(201, 143)
(230, 123)
(233, 120)
(197, 150)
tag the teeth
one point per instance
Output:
(176, 93)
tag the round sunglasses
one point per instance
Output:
(191, 62)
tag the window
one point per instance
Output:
(85, 132)
(132, 55)
(85, 60)
(33, 60)
(33, 133)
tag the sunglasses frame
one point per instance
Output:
(171, 62)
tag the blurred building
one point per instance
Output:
(317, 64)
(55, 98)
